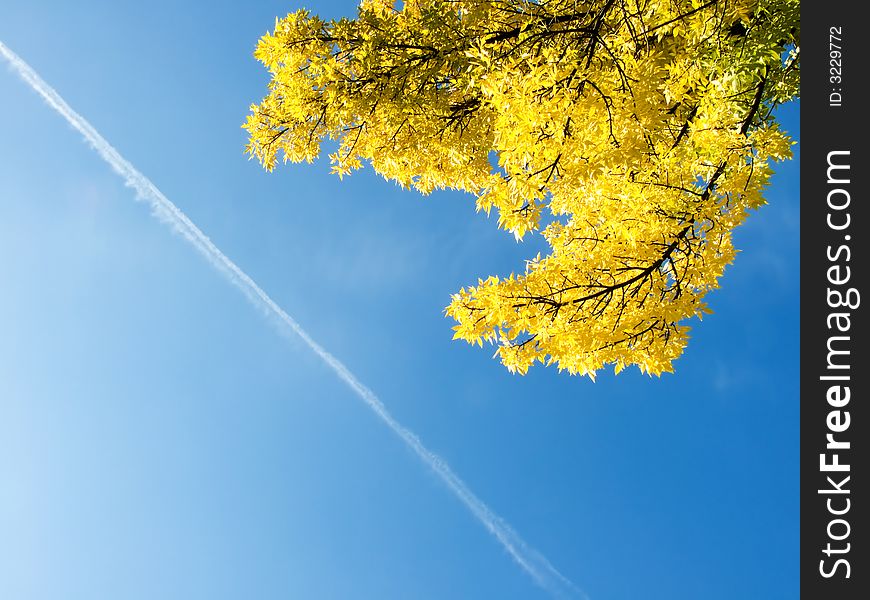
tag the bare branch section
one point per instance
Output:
(644, 127)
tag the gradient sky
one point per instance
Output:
(159, 439)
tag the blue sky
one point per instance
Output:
(158, 438)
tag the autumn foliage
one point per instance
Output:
(634, 135)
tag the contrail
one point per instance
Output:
(529, 559)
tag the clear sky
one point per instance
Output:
(159, 438)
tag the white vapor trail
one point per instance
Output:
(530, 560)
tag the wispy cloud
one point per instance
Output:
(530, 560)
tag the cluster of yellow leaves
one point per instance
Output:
(643, 126)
